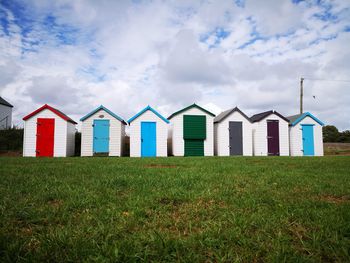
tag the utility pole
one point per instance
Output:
(301, 94)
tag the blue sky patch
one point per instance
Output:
(219, 33)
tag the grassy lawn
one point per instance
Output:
(175, 209)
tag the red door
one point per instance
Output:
(45, 132)
(273, 138)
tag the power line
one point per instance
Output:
(337, 80)
(314, 79)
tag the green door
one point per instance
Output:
(195, 132)
(194, 147)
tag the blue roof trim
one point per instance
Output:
(106, 110)
(305, 115)
(146, 109)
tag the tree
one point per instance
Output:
(330, 133)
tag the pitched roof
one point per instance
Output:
(295, 119)
(263, 115)
(48, 107)
(106, 110)
(4, 102)
(146, 109)
(226, 113)
(194, 105)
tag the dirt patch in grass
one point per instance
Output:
(26, 231)
(160, 166)
(33, 245)
(298, 231)
(169, 201)
(11, 154)
(184, 218)
(335, 199)
(55, 203)
(299, 234)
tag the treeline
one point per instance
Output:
(11, 140)
(332, 134)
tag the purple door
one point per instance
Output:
(273, 138)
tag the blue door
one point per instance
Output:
(101, 136)
(148, 139)
(308, 139)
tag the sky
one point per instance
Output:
(125, 55)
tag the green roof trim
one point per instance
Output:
(194, 105)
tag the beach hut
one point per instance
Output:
(305, 135)
(192, 132)
(102, 132)
(48, 132)
(270, 134)
(233, 133)
(148, 134)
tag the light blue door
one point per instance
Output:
(308, 139)
(148, 139)
(101, 136)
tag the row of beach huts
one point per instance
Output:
(192, 131)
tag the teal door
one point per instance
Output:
(308, 139)
(101, 136)
(148, 139)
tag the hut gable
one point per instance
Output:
(148, 134)
(192, 132)
(102, 132)
(233, 133)
(270, 134)
(48, 132)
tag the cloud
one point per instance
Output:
(186, 62)
(77, 55)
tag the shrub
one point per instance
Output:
(11, 139)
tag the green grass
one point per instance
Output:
(175, 209)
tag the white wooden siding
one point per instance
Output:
(116, 134)
(222, 135)
(30, 127)
(178, 143)
(296, 138)
(260, 136)
(5, 117)
(161, 133)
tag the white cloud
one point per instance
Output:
(126, 55)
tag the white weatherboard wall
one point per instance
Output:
(296, 137)
(178, 143)
(260, 136)
(222, 135)
(63, 130)
(5, 117)
(116, 134)
(161, 134)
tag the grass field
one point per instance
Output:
(175, 209)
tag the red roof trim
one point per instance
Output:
(48, 107)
